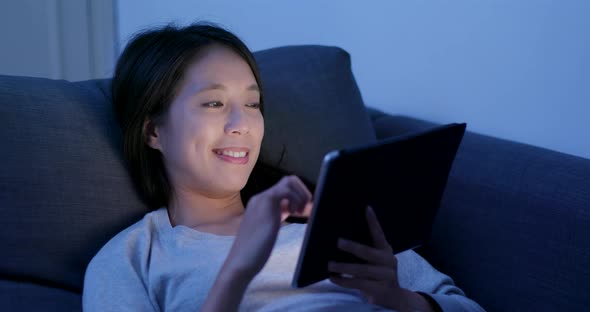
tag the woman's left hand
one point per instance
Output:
(377, 280)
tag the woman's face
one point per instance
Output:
(210, 138)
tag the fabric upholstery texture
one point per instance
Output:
(64, 190)
(313, 106)
(513, 227)
(23, 296)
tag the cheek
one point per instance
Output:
(203, 133)
(259, 126)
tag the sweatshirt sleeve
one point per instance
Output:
(113, 282)
(416, 274)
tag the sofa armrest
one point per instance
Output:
(513, 229)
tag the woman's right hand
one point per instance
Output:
(255, 239)
(261, 222)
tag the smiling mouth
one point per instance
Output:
(233, 155)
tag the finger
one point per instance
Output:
(295, 203)
(364, 271)
(305, 212)
(296, 208)
(294, 184)
(284, 204)
(370, 254)
(283, 189)
(308, 209)
(302, 194)
(376, 231)
(289, 187)
(304, 191)
(295, 191)
(288, 208)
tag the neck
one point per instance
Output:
(196, 210)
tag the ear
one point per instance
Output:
(150, 134)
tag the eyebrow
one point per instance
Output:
(218, 86)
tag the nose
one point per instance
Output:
(237, 122)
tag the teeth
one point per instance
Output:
(232, 154)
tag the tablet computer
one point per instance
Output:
(402, 178)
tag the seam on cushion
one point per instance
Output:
(97, 83)
(41, 283)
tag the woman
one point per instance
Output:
(190, 105)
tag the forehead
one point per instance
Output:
(217, 64)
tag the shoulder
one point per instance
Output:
(130, 247)
(119, 272)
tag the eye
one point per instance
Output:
(213, 104)
(254, 105)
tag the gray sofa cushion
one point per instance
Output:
(313, 106)
(64, 190)
(512, 228)
(22, 296)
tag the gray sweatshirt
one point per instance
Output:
(152, 266)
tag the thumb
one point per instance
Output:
(284, 204)
(307, 209)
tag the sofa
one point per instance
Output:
(513, 228)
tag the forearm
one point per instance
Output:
(412, 301)
(227, 291)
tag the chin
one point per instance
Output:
(231, 187)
